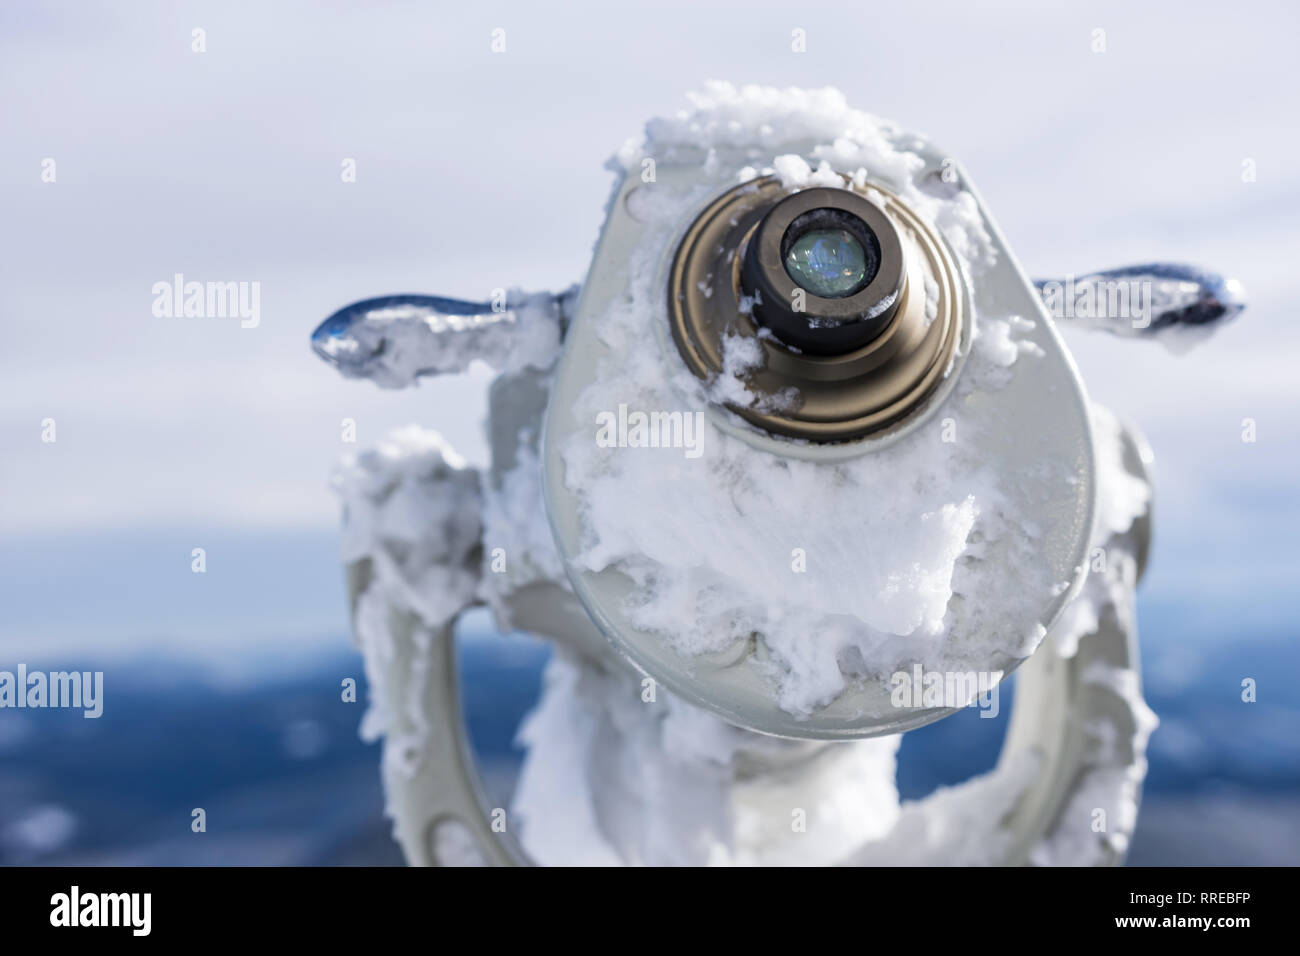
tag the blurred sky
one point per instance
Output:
(477, 170)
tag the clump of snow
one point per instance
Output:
(411, 513)
(957, 825)
(1000, 343)
(395, 341)
(931, 299)
(1128, 497)
(963, 825)
(611, 778)
(519, 549)
(793, 170)
(842, 139)
(1109, 788)
(411, 507)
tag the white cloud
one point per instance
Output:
(477, 170)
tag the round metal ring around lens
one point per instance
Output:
(821, 398)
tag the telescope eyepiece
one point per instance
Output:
(824, 268)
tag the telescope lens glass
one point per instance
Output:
(830, 263)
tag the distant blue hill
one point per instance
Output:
(279, 768)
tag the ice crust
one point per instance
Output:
(888, 537)
(397, 340)
(411, 509)
(610, 780)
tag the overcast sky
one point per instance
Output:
(477, 170)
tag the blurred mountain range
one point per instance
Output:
(279, 768)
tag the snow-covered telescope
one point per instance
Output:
(803, 466)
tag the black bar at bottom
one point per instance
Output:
(947, 907)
